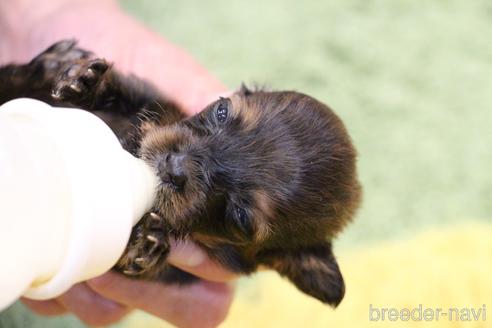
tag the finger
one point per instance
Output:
(190, 258)
(49, 307)
(179, 305)
(92, 308)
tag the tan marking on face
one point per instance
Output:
(179, 207)
(161, 139)
(209, 241)
(155, 139)
(262, 215)
(147, 126)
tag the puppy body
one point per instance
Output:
(259, 178)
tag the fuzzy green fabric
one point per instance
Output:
(411, 79)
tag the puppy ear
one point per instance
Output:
(313, 270)
(244, 90)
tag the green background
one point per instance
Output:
(412, 80)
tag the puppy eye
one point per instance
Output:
(222, 110)
(243, 221)
(241, 215)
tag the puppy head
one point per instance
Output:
(260, 178)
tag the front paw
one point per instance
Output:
(147, 249)
(80, 82)
(53, 60)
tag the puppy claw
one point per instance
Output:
(98, 65)
(81, 81)
(152, 239)
(75, 87)
(155, 216)
(55, 94)
(132, 272)
(90, 74)
(140, 260)
(147, 249)
(155, 221)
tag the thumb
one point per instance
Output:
(189, 257)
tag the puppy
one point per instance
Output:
(256, 179)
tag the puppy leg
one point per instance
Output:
(35, 79)
(123, 102)
(65, 75)
(93, 84)
(147, 250)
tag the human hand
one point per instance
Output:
(108, 298)
(103, 28)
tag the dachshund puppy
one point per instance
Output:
(257, 179)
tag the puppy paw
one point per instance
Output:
(147, 249)
(52, 60)
(80, 81)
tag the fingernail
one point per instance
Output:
(186, 253)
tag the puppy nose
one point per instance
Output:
(171, 169)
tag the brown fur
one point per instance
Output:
(257, 179)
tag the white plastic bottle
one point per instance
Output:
(69, 196)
